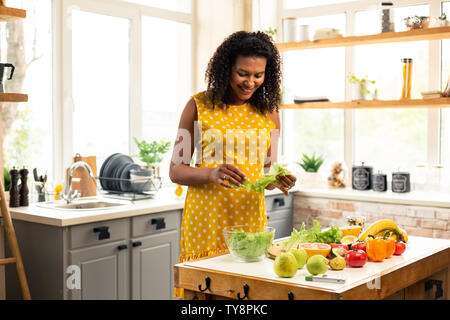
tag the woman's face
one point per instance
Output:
(247, 75)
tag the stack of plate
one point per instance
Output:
(115, 172)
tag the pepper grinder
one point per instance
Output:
(14, 200)
(24, 191)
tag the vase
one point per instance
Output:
(312, 180)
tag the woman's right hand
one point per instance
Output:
(227, 172)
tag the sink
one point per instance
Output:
(82, 204)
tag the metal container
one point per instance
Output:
(362, 177)
(401, 182)
(379, 182)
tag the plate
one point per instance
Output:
(115, 161)
(125, 186)
(102, 182)
(118, 175)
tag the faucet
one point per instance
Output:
(68, 195)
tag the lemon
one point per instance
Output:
(58, 189)
(349, 239)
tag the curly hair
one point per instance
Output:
(248, 44)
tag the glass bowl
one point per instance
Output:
(248, 244)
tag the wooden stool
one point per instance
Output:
(12, 241)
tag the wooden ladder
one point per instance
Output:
(12, 241)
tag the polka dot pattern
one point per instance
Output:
(239, 136)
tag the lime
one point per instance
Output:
(317, 264)
(285, 265)
(349, 239)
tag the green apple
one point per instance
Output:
(300, 255)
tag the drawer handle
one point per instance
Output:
(122, 247)
(103, 232)
(159, 222)
(279, 202)
(439, 291)
(290, 296)
(246, 288)
(207, 283)
(136, 244)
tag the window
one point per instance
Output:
(404, 129)
(445, 113)
(293, 4)
(174, 5)
(27, 44)
(100, 80)
(312, 73)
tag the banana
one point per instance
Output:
(380, 227)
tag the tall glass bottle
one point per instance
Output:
(407, 70)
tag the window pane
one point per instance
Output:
(166, 82)
(311, 73)
(445, 119)
(100, 84)
(27, 44)
(293, 4)
(175, 5)
(390, 138)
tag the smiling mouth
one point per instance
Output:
(246, 91)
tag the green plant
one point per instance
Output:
(150, 153)
(364, 83)
(7, 179)
(311, 164)
(443, 16)
(271, 32)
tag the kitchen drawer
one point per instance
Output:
(280, 214)
(98, 233)
(156, 222)
(278, 202)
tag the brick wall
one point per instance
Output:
(417, 221)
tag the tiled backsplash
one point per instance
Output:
(416, 220)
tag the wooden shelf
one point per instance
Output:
(13, 97)
(372, 104)
(387, 37)
(8, 14)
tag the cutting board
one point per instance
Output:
(81, 180)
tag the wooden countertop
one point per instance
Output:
(376, 280)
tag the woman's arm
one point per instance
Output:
(180, 170)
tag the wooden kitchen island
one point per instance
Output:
(422, 272)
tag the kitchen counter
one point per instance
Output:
(376, 280)
(164, 200)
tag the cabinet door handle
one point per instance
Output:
(136, 244)
(159, 223)
(103, 232)
(279, 202)
(122, 247)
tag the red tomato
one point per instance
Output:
(356, 258)
(400, 247)
(359, 246)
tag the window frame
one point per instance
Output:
(62, 67)
(434, 67)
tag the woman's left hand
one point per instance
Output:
(284, 183)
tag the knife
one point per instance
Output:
(36, 178)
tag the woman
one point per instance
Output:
(240, 105)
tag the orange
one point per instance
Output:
(350, 230)
(312, 249)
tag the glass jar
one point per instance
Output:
(437, 178)
(407, 71)
(387, 17)
(419, 177)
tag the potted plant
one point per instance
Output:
(311, 165)
(361, 89)
(442, 19)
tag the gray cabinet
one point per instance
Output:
(104, 272)
(279, 210)
(115, 259)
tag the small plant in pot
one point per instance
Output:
(151, 154)
(362, 88)
(311, 165)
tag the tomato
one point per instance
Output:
(359, 246)
(356, 258)
(400, 247)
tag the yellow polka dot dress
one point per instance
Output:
(239, 136)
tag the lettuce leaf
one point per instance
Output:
(271, 177)
(314, 234)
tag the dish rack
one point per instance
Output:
(144, 188)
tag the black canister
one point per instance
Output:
(401, 182)
(379, 182)
(362, 177)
